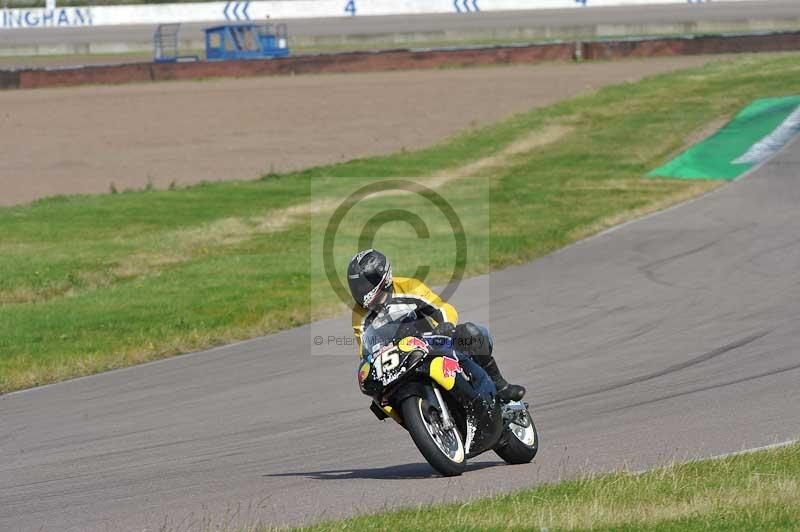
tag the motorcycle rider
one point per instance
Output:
(374, 290)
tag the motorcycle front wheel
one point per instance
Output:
(442, 448)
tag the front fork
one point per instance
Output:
(385, 410)
(447, 419)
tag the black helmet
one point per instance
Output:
(369, 275)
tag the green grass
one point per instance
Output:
(756, 491)
(95, 282)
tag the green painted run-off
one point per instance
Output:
(715, 157)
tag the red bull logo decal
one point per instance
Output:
(363, 373)
(443, 370)
(411, 343)
(450, 367)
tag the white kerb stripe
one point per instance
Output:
(769, 145)
(779, 445)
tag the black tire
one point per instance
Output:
(515, 451)
(413, 409)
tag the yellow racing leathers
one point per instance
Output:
(407, 292)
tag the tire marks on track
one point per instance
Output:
(770, 373)
(727, 348)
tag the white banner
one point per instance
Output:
(243, 11)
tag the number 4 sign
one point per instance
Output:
(350, 7)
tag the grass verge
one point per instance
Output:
(91, 283)
(755, 491)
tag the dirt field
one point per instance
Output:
(81, 140)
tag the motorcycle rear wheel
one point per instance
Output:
(520, 443)
(443, 449)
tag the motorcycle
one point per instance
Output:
(444, 399)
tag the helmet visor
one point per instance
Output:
(381, 299)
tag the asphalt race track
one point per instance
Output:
(672, 337)
(727, 12)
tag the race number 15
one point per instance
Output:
(386, 362)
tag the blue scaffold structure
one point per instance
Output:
(246, 41)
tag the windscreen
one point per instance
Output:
(392, 325)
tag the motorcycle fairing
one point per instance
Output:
(477, 394)
(443, 370)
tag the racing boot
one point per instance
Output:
(505, 391)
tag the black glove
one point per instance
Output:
(444, 329)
